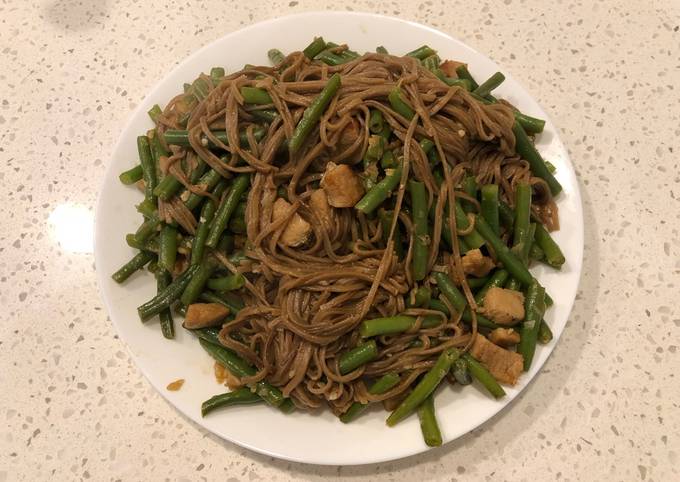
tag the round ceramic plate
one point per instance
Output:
(317, 438)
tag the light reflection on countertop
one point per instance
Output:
(71, 226)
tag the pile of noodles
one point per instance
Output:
(303, 305)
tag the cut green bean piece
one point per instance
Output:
(380, 192)
(490, 84)
(167, 247)
(376, 123)
(526, 149)
(166, 297)
(197, 282)
(428, 423)
(154, 112)
(399, 105)
(357, 357)
(553, 254)
(312, 114)
(163, 280)
(131, 176)
(531, 125)
(482, 375)
(464, 73)
(381, 50)
(227, 208)
(241, 396)
(534, 309)
(181, 137)
(148, 168)
(421, 242)
(253, 95)
(314, 48)
(461, 372)
(136, 263)
(386, 326)
(275, 56)
(227, 283)
(217, 74)
(427, 384)
(497, 280)
(503, 253)
(382, 385)
(489, 207)
(545, 334)
(421, 52)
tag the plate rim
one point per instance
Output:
(109, 174)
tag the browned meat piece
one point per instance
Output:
(476, 264)
(201, 315)
(504, 337)
(318, 202)
(505, 365)
(297, 230)
(224, 376)
(449, 68)
(349, 136)
(342, 185)
(505, 307)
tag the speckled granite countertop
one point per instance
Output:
(72, 405)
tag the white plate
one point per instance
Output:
(317, 438)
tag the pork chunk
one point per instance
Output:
(476, 264)
(505, 365)
(504, 337)
(342, 185)
(297, 231)
(503, 306)
(202, 315)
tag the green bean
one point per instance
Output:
(253, 95)
(458, 301)
(382, 385)
(432, 62)
(531, 125)
(526, 149)
(131, 176)
(227, 283)
(210, 334)
(275, 56)
(419, 297)
(146, 230)
(197, 282)
(386, 132)
(551, 167)
(534, 308)
(207, 215)
(136, 263)
(181, 137)
(388, 161)
(378, 193)
(150, 245)
(200, 88)
(376, 123)
(506, 215)
(386, 223)
(477, 283)
(208, 181)
(314, 48)
(163, 280)
(522, 217)
(226, 244)
(535, 252)
(216, 75)
(147, 208)
(357, 357)
(386, 326)
(226, 209)
(464, 83)
(240, 368)
(399, 105)
(530, 242)
(312, 114)
(421, 241)
(330, 58)
(381, 50)
(211, 297)
(154, 112)
(428, 423)
(168, 184)
(553, 254)
(503, 253)
(482, 375)
(167, 247)
(421, 52)
(462, 245)
(267, 115)
(374, 152)
(545, 334)
(426, 145)
(497, 280)
(166, 297)
(474, 240)
(438, 305)
(489, 207)
(425, 386)
(470, 187)
(490, 84)
(463, 73)
(241, 396)
(149, 170)
(461, 372)
(513, 284)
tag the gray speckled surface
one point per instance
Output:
(72, 406)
